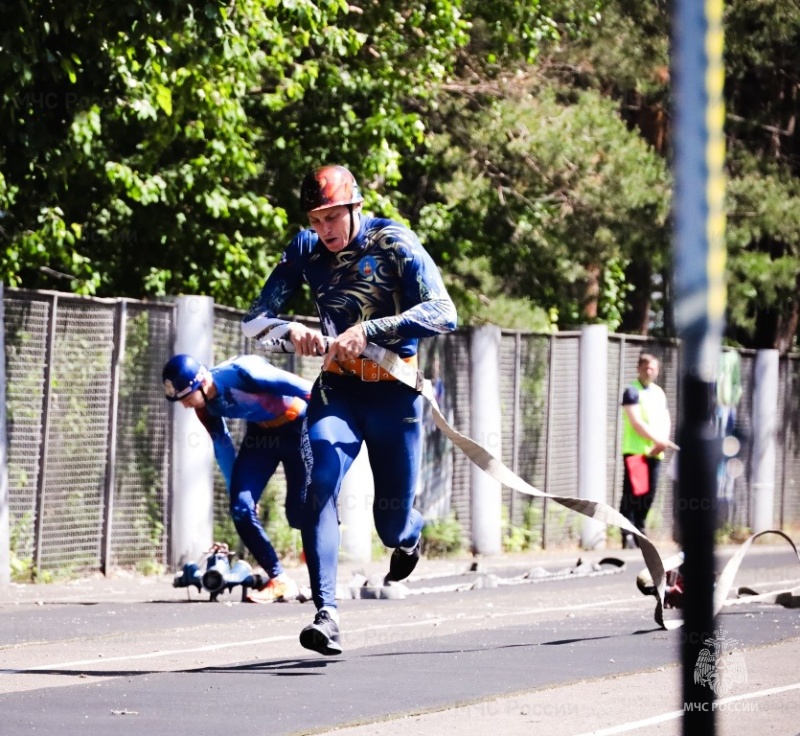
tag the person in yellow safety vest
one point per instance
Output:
(646, 427)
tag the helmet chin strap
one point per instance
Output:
(352, 223)
(353, 232)
(202, 389)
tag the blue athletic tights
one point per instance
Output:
(342, 413)
(258, 457)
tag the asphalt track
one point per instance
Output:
(574, 656)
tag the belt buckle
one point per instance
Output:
(376, 375)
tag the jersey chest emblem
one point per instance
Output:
(366, 266)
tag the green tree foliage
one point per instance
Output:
(627, 60)
(762, 93)
(149, 149)
(131, 167)
(763, 236)
(154, 148)
(554, 191)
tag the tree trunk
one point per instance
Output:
(776, 329)
(591, 297)
(636, 319)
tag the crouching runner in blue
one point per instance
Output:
(371, 280)
(273, 402)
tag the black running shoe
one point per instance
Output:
(322, 636)
(402, 563)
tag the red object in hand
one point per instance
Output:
(639, 473)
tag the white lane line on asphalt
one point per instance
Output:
(718, 705)
(573, 607)
(146, 655)
(206, 648)
(270, 639)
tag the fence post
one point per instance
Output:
(120, 316)
(44, 438)
(192, 452)
(355, 509)
(486, 429)
(765, 423)
(5, 530)
(592, 445)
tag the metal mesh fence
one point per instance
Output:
(457, 385)
(788, 485)
(661, 521)
(536, 398)
(739, 514)
(510, 399)
(141, 468)
(616, 376)
(77, 421)
(437, 363)
(88, 452)
(524, 377)
(228, 342)
(26, 332)
(83, 376)
(561, 527)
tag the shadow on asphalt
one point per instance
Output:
(280, 667)
(84, 673)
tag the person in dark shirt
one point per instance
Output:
(371, 281)
(273, 402)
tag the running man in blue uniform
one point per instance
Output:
(371, 280)
(273, 402)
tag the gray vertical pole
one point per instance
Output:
(355, 509)
(44, 439)
(592, 444)
(5, 500)
(192, 452)
(486, 429)
(120, 314)
(765, 425)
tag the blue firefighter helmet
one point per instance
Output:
(181, 376)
